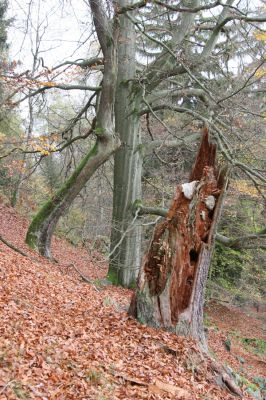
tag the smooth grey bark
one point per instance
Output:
(126, 231)
(125, 258)
(42, 227)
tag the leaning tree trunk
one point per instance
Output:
(173, 276)
(126, 231)
(42, 227)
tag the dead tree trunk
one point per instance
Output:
(172, 279)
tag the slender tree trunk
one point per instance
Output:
(22, 175)
(126, 231)
(42, 227)
(173, 276)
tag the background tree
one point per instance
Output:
(9, 120)
(42, 226)
(172, 87)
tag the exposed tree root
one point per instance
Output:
(226, 379)
(201, 362)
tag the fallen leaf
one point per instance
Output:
(175, 390)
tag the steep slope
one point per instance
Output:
(62, 338)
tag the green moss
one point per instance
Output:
(208, 323)
(98, 131)
(256, 345)
(45, 211)
(50, 205)
(227, 265)
(19, 390)
(132, 285)
(261, 382)
(113, 276)
(141, 149)
(254, 389)
(93, 376)
(69, 183)
(109, 41)
(136, 205)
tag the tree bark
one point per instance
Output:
(125, 259)
(42, 227)
(126, 231)
(172, 279)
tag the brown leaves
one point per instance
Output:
(159, 387)
(60, 339)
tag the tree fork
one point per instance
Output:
(173, 275)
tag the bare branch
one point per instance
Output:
(237, 243)
(222, 21)
(131, 7)
(143, 3)
(215, 33)
(59, 86)
(144, 210)
(11, 246)
(240, 242)
(158, 144)
(188, 9)
(101, 23)
(82, 63)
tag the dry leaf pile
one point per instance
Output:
(64, 339)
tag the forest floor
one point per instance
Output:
(62, 338)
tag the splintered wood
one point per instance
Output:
(174, 271)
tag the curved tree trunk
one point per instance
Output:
(126, 231)
(42, 227)
(173, 276)
(43, 224)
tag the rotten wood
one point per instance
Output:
(173, 275)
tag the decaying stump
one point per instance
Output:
(171, 282)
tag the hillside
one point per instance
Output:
(63, 338)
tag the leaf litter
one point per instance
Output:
(63, 339)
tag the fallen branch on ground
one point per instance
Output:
(11, 246)
(84, 278)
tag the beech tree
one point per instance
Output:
(185, 62)
(176, 60)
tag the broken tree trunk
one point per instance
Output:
(172, 278)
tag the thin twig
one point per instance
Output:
(83, 276)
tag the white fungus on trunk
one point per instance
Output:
(210, 202)
(188, 189)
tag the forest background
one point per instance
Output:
(51, 74)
